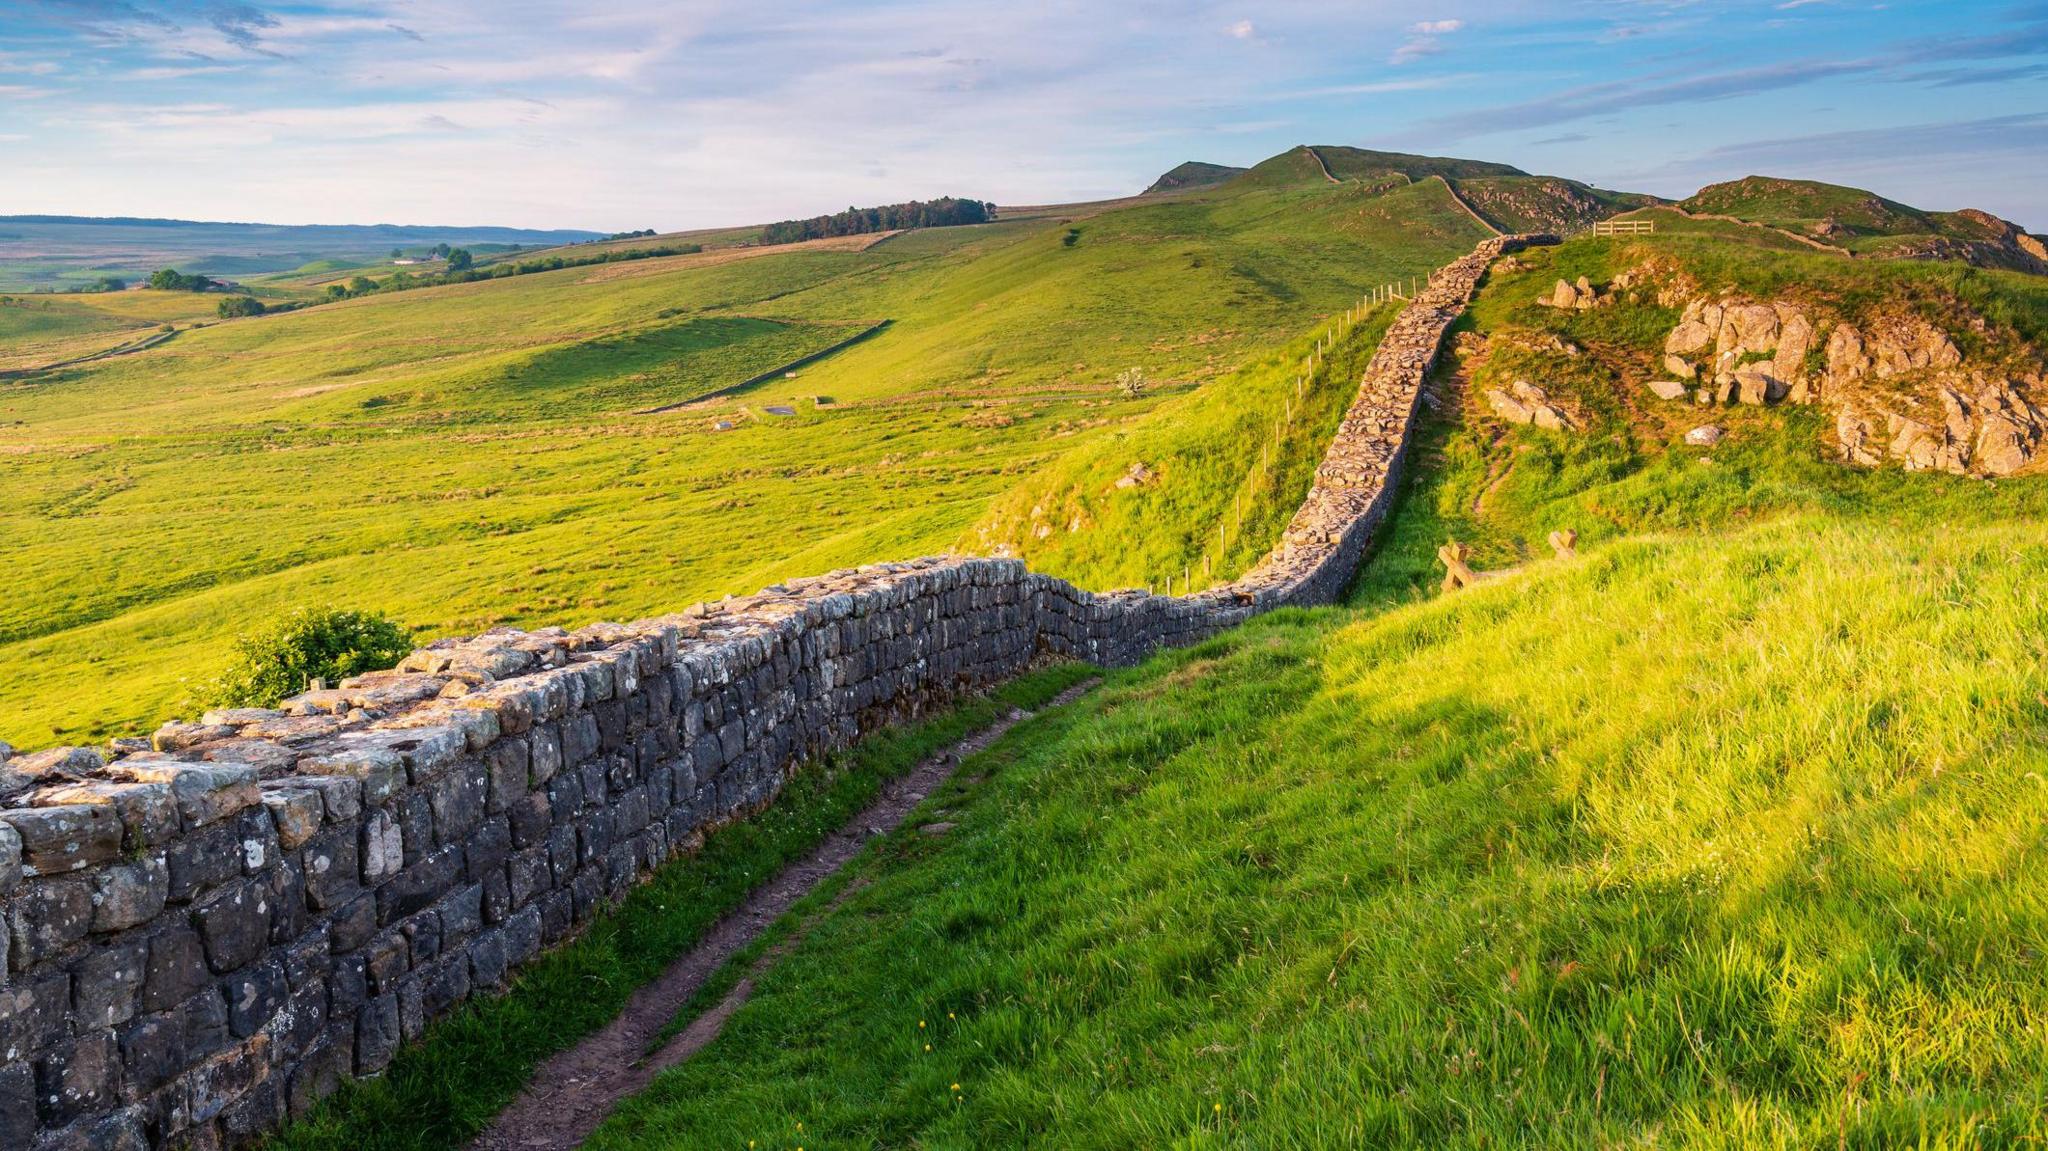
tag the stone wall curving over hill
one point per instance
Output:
(206, 936)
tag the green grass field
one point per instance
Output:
(1722, 835)
(468, 455)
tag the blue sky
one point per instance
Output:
(687, 113)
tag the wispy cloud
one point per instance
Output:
(683, 112)
(1425, 38)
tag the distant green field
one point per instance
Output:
(467, 455)
(55, 253)
(42, 329)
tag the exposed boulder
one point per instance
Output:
(1578, 296)
(1705, 436)
(2009, 429)
(1525, 403)
(1746, 328)
(1681, 367)
(1757, 386)
(1696, 329)
(1795, 340)
(1138, 476)
(1668, 389)
(1857, 436)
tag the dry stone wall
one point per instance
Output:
(211, 931)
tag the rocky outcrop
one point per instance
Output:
(1991, 429)
(209, 930)
(1896, 383)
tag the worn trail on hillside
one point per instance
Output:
(572, 1093)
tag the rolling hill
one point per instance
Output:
(1720, 833)
(1193, 174)
(468, 455)
(1721, 830)
(1865, 223)
(56, 252)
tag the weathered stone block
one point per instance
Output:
(203, 1024)
(152, 1054)
(254, 995)
(234, 925)
(457, 799)
(383, 847)
(107, 984)
(117, 1131)
(17, 1104)
(326, 1065)
(203, 861)
(10, 859)
(377, 1034)
(49, 915)
(341, 795)
(205, 793)
(55, 840)
(507, 764)
(34, 1013)
(77, 1078)
(297, 812)
(329, 862)
(129, 895)
(418, 886)
(461, 916)
(147, 812)
(379, 771)
(354, 922)
(177, 968)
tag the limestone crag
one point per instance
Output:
(215, 927)
(1896, 383)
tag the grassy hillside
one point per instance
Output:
(1419, 879)
(1220, 485)
(42, 329)
(1502, 489)
(1544, 203)
(469, 455)
(1193, 174)
(1721, 835)
(1868, 224)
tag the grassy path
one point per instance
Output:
(570, 1095)
(447, 1088)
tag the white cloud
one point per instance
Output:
(1243, 30)
(1424, 40)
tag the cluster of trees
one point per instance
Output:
(103, 284)
(235, 307)
(172, 280)
(437, 252)
(641, 234)
(942, 212)
(462, 269)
